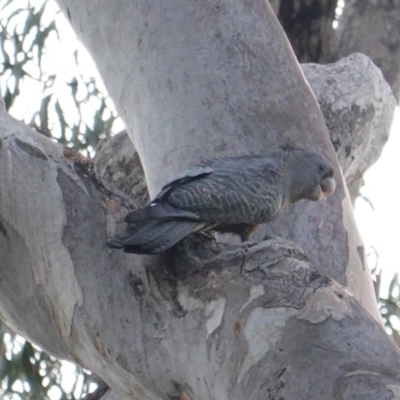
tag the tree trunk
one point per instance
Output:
(261, 319)
(308, 25)
(201, 85)
(371, 27)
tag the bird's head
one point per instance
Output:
(311, 176)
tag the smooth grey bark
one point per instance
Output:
(207, 320)
(371, 27)
(210, 320)
(199, 79)
(275, 4)
(355, 100)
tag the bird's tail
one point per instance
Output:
(155, 236)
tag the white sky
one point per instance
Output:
(380, 228)
(58, 61)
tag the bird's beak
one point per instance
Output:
(317, 194)
(328, 186)
(324, 189)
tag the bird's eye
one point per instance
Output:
(322, 168)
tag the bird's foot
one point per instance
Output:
(206, 236)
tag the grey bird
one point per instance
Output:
(230, 194)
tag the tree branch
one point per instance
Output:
(204, 320)
(123, 316)
(368, 27)
(357, 104)
(358, 107)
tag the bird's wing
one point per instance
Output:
(196, 172)
(232, 195)
(160, 209)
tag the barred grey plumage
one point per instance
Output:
(226, 193)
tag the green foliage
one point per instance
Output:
(390, 308)
(67, 101)
(69, 104)
(26, 373)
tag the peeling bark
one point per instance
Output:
(261, 319)
(206, 320)
(118, 162)
(358, 108)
